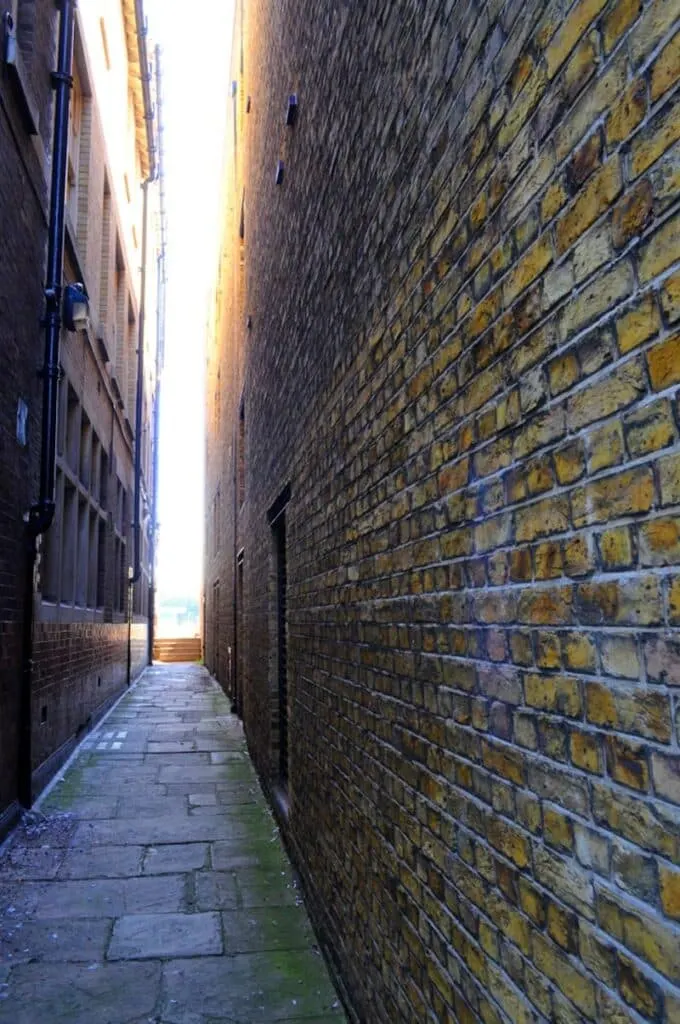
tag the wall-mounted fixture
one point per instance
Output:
(76, 307)
(248, 105)
(249, 323)
(22, 423)
(279, 172)
(9, 39)
(292, 111)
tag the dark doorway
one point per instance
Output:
(239, 659)
(277, 520)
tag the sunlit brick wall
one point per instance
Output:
(463, 360)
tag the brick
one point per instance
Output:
(670, 297)
(624, 603)
(627, 113)
(575, 985)
(584, 161)
(543, 517)
(545, 607)
(627, 763)
(665, 69)
(639, 712)
(669, 885)
(593, 199)
(618, 19)
(666, 772)
(655, 941)
(660, 541)
(654, 139)
(579, 652)
(554, 199)
(531, 266)
(626, 493)
(632, 214)
(585, 752)
(569, 462)
(594, 102)
(651, 28)
(558, 694)
(649, 428)
(636, 821)
(663, 361)
(580, 16)
(669, 479)
(638, 989)
(563, 372)
(542, 430)
(616, 549)
(620, 656)
(638, 324)
(581, 66)
(665, 179)
(616, 391)
(595, 299)
(674, 600)
(662, 659)
(606, 446)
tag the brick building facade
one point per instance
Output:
(80, 635)
(443, 488)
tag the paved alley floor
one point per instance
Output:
(151, 887)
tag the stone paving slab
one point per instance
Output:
(65, 941)
(163, 860)
(260, 987)
(102, 862)
(152, 887)
(81, 994)
(149, 936)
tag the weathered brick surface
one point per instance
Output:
(462, 360)
(23, 213)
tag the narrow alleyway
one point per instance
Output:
(152, 886)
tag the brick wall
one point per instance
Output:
(80, 670)
(463, 361)
(23, 206)
(80, 637)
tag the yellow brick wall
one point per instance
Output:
(464, 360)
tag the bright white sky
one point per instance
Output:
(196, 53)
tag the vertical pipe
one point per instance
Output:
(139, 409)
(139, 404)
(40, 516)
(160, 344)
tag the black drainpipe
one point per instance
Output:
(40, 515)
(139, 402)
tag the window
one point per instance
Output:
(16, 39)
(119, 355)
(75, 117)
(78, 559)
(22, 13)
(105, 266)
(105, 43)
(217, 519)
(241, 482)
(279, 631)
